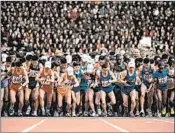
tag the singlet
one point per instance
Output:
(33, 71)
(147, 74)
(17, 75)
(83, 80)
(47, 77)
(105, 80)
(162, 79)
(131, 78)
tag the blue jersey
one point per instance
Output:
(83, 80)
(105, 80)
(78, 75)
(147, 75)
(131, 79)
(162, 79)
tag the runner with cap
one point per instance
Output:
(128, 79)
(66, 83)
(46, 78)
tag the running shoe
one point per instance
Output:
(34, 113)
(68, 115)
(142, 113)
(48, 112)
(5, 114)
(109, 113)
(28, 111)
(55, 113)
(167, 115)
(99, 112)
(149, 114)
(164, 111)
(73, 114)
(172, 111)
(85, 114)
(19, 113)
(11, 111)
(61, 114)
(93, 114)
(137, 113)
(159, 115)
(115, 114)
(43, 113)
(131, 114)
(104, 114)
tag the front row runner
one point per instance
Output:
(81, 88)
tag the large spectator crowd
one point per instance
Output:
(87, 26)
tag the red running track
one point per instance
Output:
(87, 124)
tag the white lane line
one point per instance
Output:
(114, 126)
(33, 126)
(172, 122)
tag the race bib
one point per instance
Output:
(105, 83)
(46, 81)
(33, 73)
(163, 80)
(118, 76)
(17, 79)
(147, 77)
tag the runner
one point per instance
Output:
(16, 87)
(146, 73)
(76, 90)
(160, 77)
(129, 78)
(65, 84)
(171, 85)
(118, 69)
(33, 86)
(46, 78)
(106, 77)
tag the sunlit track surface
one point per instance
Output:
(86, 124)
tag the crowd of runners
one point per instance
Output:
(94, 84)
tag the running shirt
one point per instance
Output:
(147, 75)
(46, 76)
(105, 80)
(162, 79)
(17, 75)
(33, 71)
(131, 79)
(83, 82)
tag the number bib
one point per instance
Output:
(17, 79)
(163, 80)
(105, 83)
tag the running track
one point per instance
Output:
(24, 124)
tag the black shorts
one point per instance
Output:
(76, 89)
(33, 84)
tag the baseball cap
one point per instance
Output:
(70, 71)
(131, 64)
(48, 64)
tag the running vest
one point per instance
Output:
(33, 71)
(17, 75)
(47, 77)
(131, 78)
(162, 79)
(105, 80)
(83, 80)
(147, 74)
